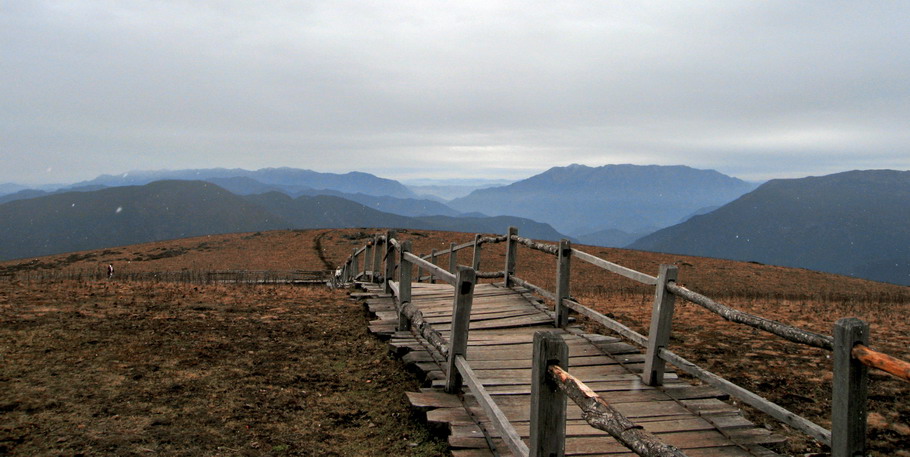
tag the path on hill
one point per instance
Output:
(503, 322)
(317, 245)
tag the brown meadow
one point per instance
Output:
(42, 310)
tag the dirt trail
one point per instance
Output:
(317, 245)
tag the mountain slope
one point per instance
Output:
(162, 210)
(854, 223)
(289, 179)
(579, 200)
(325, 211)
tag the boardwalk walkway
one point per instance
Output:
(503, 322)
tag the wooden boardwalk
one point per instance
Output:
(503, 322)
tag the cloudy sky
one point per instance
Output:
(479, 89)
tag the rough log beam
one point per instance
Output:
(542, 247)
(425, 329)
(491, 239)
(597, 412)
(491, 274)
(884, 362)
(784, 331)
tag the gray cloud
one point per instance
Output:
(754, 89)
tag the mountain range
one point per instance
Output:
(581, 200)
(74, 221)
(854, 223)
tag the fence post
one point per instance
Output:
(377, 258)
(548, 403)
(389, 262)
(562, 282)
(848, 400)
(661, 324)
(453, 258)
(433, 261)
(419, 271)
(368, 259)
(510, 255)
(354, 265)
(404, 284)
(461, 320)
(475, 260)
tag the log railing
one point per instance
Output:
(849, 342)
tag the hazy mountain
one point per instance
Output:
(412, 207)
(449, 189)
(609, 238)
(854, 223)
(9, 188)
(325, 211)
(73, 221)
(579, 200)
(35, 193)
(289, 180)
(498, 225)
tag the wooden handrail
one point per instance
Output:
(499, 419)
(547, 248)
(539, 290)
(785, 331)
(601, 415)
(884, 362)
(750, 398)
(435, 269)
(618, 269)
(491, 274)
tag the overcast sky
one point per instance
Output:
(489, 89)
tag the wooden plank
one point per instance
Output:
(431, 400)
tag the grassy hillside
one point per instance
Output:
(90, 320)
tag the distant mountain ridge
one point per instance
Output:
(294, 179)
(161, 210)
(580, 200)
(853, 223)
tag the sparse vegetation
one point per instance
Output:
(180, 328)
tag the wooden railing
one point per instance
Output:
(849, 340)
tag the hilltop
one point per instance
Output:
(37, 292)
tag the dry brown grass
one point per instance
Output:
(146, 368)
(797, 378)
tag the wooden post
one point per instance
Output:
(461, 321)
(661, 323)
(848, 402)
(377, 258)
(475, 260)
(419, 271)
(548, 402)
(433, 261)
(453, 258)
(368, 259)
(510, 255)
(404, 284)
(389, 262)
(354, 265)
(562, 282)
